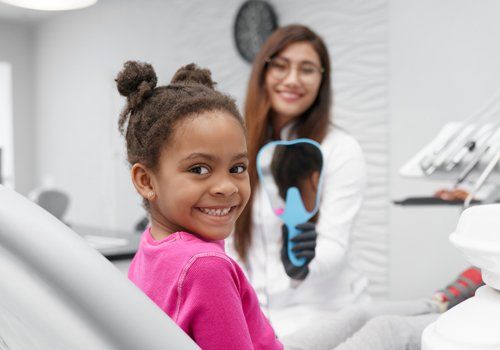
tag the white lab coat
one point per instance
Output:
(334, 279)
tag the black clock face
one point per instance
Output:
(255, 21)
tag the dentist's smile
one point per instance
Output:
(289, 96)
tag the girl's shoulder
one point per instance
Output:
(199, 257)
(197, 245)
(212, 253)
(179, 246)
(212, 266)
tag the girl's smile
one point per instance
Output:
(216, 211)
(218, 216)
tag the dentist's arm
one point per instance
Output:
(341, 198)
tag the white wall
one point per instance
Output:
(17, 48)
(444, 65)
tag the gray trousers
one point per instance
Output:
(378, 326)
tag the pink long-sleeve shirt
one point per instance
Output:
(203, 290)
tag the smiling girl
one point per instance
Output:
(187, 150)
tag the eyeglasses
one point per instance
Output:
(279, 68)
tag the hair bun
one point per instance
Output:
(136, 78)
(192, 74)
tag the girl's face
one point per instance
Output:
(292, 80)
(202, 183)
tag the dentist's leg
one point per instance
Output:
(390, 332)
(330, 330)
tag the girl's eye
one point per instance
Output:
(199, 169)
(238, 169)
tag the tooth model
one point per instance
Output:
(475, 323)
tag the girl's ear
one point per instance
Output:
(142, 178)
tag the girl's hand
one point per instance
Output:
(305, 247)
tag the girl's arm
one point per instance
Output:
(218, 308)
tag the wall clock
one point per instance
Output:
(255, 21)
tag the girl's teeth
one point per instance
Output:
(216, 212)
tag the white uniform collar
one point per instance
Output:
(286, 132)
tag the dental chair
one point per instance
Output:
(56, 292)
(473, 324)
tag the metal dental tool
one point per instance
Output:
(472, 164)
(478, 156)
(446, 152)
(432, 161)
(457, 158)
(482, 178)
(427, 163)
(470, 145)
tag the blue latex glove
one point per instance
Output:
(305, 247)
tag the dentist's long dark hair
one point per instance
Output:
(313, 123)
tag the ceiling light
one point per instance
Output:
(51, 5)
